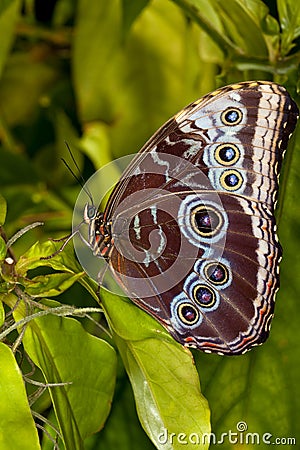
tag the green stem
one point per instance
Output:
(64, 311)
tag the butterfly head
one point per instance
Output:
(90, 213)
(99, 234)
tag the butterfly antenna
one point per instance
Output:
(79, 178)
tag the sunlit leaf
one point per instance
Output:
(130, 433)
(289, 16)
(163, 376)
(3, 249)
(93, 77)
(95, 143)
(196, 9)
(9, 12)
(18, 430)
(130, 12)
(51, 285)
(241, 23)
(3, 209)
(86, 365)
(103, 76)
(40, 254)
(2, 313)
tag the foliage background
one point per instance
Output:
(103, 76)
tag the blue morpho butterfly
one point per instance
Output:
(189, 231)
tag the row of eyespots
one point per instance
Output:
(229, 154)
(202, 294)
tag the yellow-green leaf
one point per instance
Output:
(66, 353)
(163, 376)
(17, 428)
(51, 285)
(3, 209)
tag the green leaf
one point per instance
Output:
(240, 29)
(15, 169)
(2, 313)
(33, 258)
(50, 285)
(9, 13)
(146, 96)
(66, 353)
(130, 435)
(8, 298)
(18, 429)
(5, 4)
(3, 209)
(23, 75)
(132, 97)
(63, 261)
(196, 9)
(131, 10)
(95, 138)
(93, 76)
(162, 373)
(289, 16)
(3, 249)
(210, 51)
(242, 24)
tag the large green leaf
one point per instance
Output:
(156, 91)
(93, 76)
(237, 32)
(163, 376)
(2, 313)
(16, 169)
(3, 209)
(3, 249)
(50, 285)
(123, 418)
(95, 137)
(9, 12)
(130, 95)
(41, 254)
(203, 12)
(66, 353)
(22, 75)
(130, 11)
(289, 16)
(17, 428)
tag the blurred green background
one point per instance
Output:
(103, 76)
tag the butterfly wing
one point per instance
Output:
(192, 217)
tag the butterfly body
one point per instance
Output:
(189, 230)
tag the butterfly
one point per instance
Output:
(189, 231)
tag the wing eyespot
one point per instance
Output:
(231, 116)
